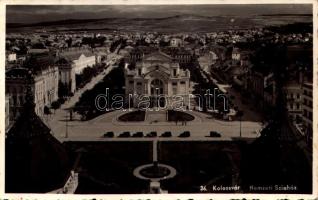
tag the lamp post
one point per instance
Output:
(66, 127)
(240, 126)
(240, 114)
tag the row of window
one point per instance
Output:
(173, 83)
(307, 114)
(297, 107)
(308, 103)
(308, 93)
(174, 72)
(292, 95)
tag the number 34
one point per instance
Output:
(203, 188)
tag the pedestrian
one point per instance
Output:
(176, 122)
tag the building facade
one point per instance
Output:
(84, 60)
(307, 106)
(72, 62)
(44, 86)
(67, 78)
(176, 42)
(158, 77)
(293, 94)
(7, 112)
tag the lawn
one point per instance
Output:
(134, 116)
(174, 115)
(199, 163)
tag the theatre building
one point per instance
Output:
(159, 80)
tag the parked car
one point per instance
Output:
(215, 134)
(152, 134)
(166, 134)
(185, 134)
(125, 134)
(109, 134)
(138, 134)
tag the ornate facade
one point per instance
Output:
(159, 79)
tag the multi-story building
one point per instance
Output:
(80, 58)
(44, 84)
(236, 55)
(293, 94)
(307, 106)
(72, 62)
(11, 57)
(67, 78)
(158, 74)
(179, 54)
(176, 42)
(7, 112)
(262, 87)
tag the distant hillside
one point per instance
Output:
(271, 15)
(53, 23)
(177, 23)
(105, 20)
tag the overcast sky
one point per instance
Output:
(32, 14)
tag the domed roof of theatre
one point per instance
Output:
(36, 161)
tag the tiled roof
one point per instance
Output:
(74, 55)
(17, 72)
(39, 62)
(36, 162)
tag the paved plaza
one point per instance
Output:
(199, 127)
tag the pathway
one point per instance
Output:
(155, 150)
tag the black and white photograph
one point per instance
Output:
(159, 98)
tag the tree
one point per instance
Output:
(55, 105)
(86, 104)
(69, 42)
(121, 63)
(47, 110)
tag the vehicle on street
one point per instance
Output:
(109, 134)
(214, 134)
(138, 134)
(185, 134)
(166, 134)
(125, 134)
(152, 134)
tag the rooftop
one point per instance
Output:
(36, 161)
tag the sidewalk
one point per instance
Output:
(58, 119)
(72, 101)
